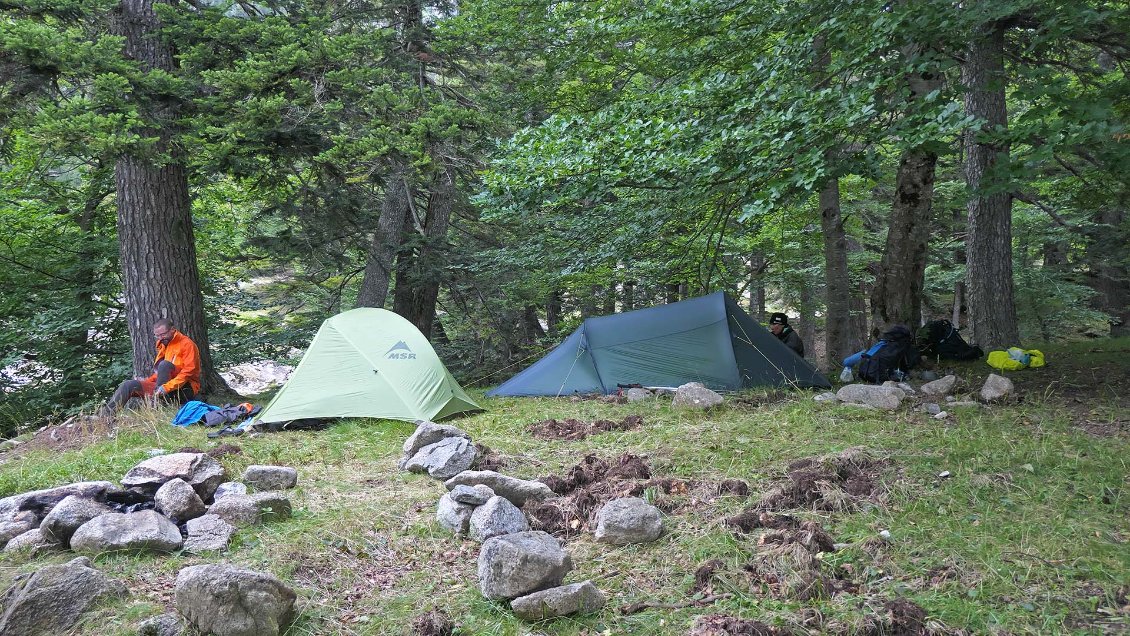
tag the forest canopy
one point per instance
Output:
(496, 171)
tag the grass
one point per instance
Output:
(1028, 534)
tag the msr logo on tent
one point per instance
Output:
(400, 351)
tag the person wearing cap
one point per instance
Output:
(779, 325)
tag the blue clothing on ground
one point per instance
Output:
(192, 412)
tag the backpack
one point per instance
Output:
(940, 338)
(891, 358)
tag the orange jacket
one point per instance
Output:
(182, 352)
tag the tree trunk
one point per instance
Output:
(553, 312)
(160, 278)
(807, 318)
(629, 295)
(757, 287)
(1107, 276)
(992, 308)
(837, 292)
(416, 301)
(386, 240)
(857, 321)
(531, 325)
(897, 295)
(610, 299)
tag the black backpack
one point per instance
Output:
(941, 339)
(893, 360)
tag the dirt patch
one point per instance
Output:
(831, 483)
(899, 617)
(752, 519)
(571, 429)
(786, 565)
(720, 625)
(704, 577)
(77, 432)
(487, 458)
(433, 623)
(583, 490)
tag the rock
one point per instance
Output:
(472, 495)
(209, 533)
(906, 388)
(52, 599)
(827, 396)
(945, 474)
(578, 598)
(880, 397)
(16, 505)
(519, 564)
(12, 529)
(940, 387)
(453, 515)
(201, 472)
(177, 500)
(230, 488)
(224, 600)
(444, 459)
(253, 378)
(628, 520)
(147, 530)
(518, 491)
(931, 408)
(496, 517)
(33, 542)
(928, 376)
(638, 395)
(66, 517)
(696, 395)
(428, 433)
(950, 398)
(164, 625)
(248, 510)
(270, 477)
(941, 415)
(996, 387)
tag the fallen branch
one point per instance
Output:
(636, 608)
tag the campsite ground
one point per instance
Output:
(1028, 533)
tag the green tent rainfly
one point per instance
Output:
(369, 362)
(707, 339)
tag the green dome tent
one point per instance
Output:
(369, 362)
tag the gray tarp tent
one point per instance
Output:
(707, 339)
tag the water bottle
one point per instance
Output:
(845, 375)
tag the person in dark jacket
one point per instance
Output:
(779, 325)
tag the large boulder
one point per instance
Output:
(514, 565)
(518, 491)
(628, 520)
(443, 459)
(996, 387)
(497, 517)
(265, 478)
(201, 471)
(43, 500)
(68, 515)
(453, 515)
(428, 433)
(147, 530)
(880, 397)
(209, 533)
(696, 395)
(177, 500)
(577, 598)
(224, 600)
(941, 387)
(52, 599)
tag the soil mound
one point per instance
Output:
(488, 459)
(720, 625)
(787, 567)
(900, 617)
(572, 430)
(831, 483)
(433, 623)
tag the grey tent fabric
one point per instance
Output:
(707, 339)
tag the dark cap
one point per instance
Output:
(778, 319)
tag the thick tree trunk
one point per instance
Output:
(386, 240)
(160, 278)
(416, 301)
(807, 318)
(897, 295)
(609, 307)
(1107, 276)
(989, 282)
(757, 266)
(532, 327)
(837, 292)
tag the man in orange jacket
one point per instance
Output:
(176, 370)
